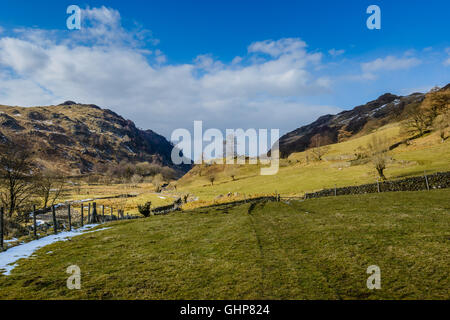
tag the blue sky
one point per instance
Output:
(215, 60)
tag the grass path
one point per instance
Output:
(315, 249)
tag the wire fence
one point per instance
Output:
(58, 218)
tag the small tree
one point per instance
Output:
(436, 103)
(157, 181)
(418, 122)
(145, 209)
(16, 175)
(136, 179)
(49, 185)
(231, 172)
(211, 179)
(441, 123)
(319, 146)
(422, 118)
(377, 152)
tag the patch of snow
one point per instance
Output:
(84, 200)
(9, 258)
(40, 222)
(377, 109)
(129, 149)
(162, 198)
(11, 240)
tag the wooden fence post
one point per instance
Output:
(103, 213)
(55, 223)
(34, 222)
(89, 213)
(378, 185)
(94, 213)
(2, 211)
(335, 190)
(82, 214)
(70, 218)
(426, 181)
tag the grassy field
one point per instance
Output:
(143, 192)
(297, 177)
(316, 249)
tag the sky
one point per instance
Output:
(232, 64)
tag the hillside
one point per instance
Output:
(299, 173)
(361, 120)
(342, 163)
(74, 138)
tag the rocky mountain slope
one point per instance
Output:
(358, 121)
(75, 137)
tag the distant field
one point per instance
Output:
(297, 177)
(144, 192)
(316, 249)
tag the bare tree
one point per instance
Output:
(157, 181)
(436, 103)
(49, 186)
(377, 151)
(319, 146)
(16, 175)
(136, 179)
(422, 118)
(418, 122)
(231, 171)
(441, 123)
(211, 179)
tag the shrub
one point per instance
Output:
(145, 209)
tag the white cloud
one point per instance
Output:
(279, 47)
(389, 63)
(335, 52)
(109, 66)
(236, 60)
(447, 62)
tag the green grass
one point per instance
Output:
(316, 249)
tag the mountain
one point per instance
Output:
(76, 137)
(358, 121)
